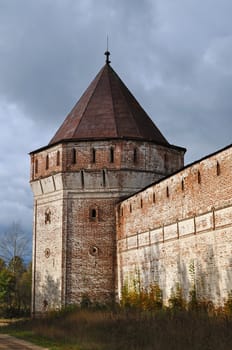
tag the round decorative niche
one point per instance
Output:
(94, 251)
(47, 252)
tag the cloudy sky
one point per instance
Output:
(174, 55)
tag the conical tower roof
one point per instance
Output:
(108, 110)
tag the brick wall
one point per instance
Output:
(180, 222)
(91, 249)
(78, 185)
(118, 154)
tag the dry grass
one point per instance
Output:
(130, 330)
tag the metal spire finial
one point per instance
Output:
(107, 53)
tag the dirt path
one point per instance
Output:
(10, 343)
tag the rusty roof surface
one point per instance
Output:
(107, 109)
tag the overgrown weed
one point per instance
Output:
(128, 329)
(142, 322)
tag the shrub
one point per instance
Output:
(150, 298)
(176, 300)
(228, 305)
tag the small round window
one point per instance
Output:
(93, 251)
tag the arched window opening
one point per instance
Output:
(93, 155)
(130, 208)
(141, 203)
(167, 191)
(218, 169)
(74, 156)
(93, 214)
(47, 162)
(111, 155)
(58, 158)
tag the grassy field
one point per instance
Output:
(127, 330)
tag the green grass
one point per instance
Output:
(127, 330)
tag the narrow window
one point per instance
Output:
(58, 158)
(36, 166)
(74, 156)
(93, 155)
(82, 178)
(218, 169)
(111, 155)
(121, 211)
(182, 185)
(130, 208)
(153, 197)
(104, 177)
(199, 177)
(167, 191)
(93, 214)
(135, 156)
(47, 217)
(47, 162)
(141, 203)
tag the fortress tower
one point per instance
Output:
(106, 149)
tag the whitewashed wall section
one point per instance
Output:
(165, 255)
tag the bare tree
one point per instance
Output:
(14, 243)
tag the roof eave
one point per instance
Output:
(64, 141)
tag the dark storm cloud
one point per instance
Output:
(175, 56)
(50, 52)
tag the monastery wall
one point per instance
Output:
(180, 231)
(76, 186)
